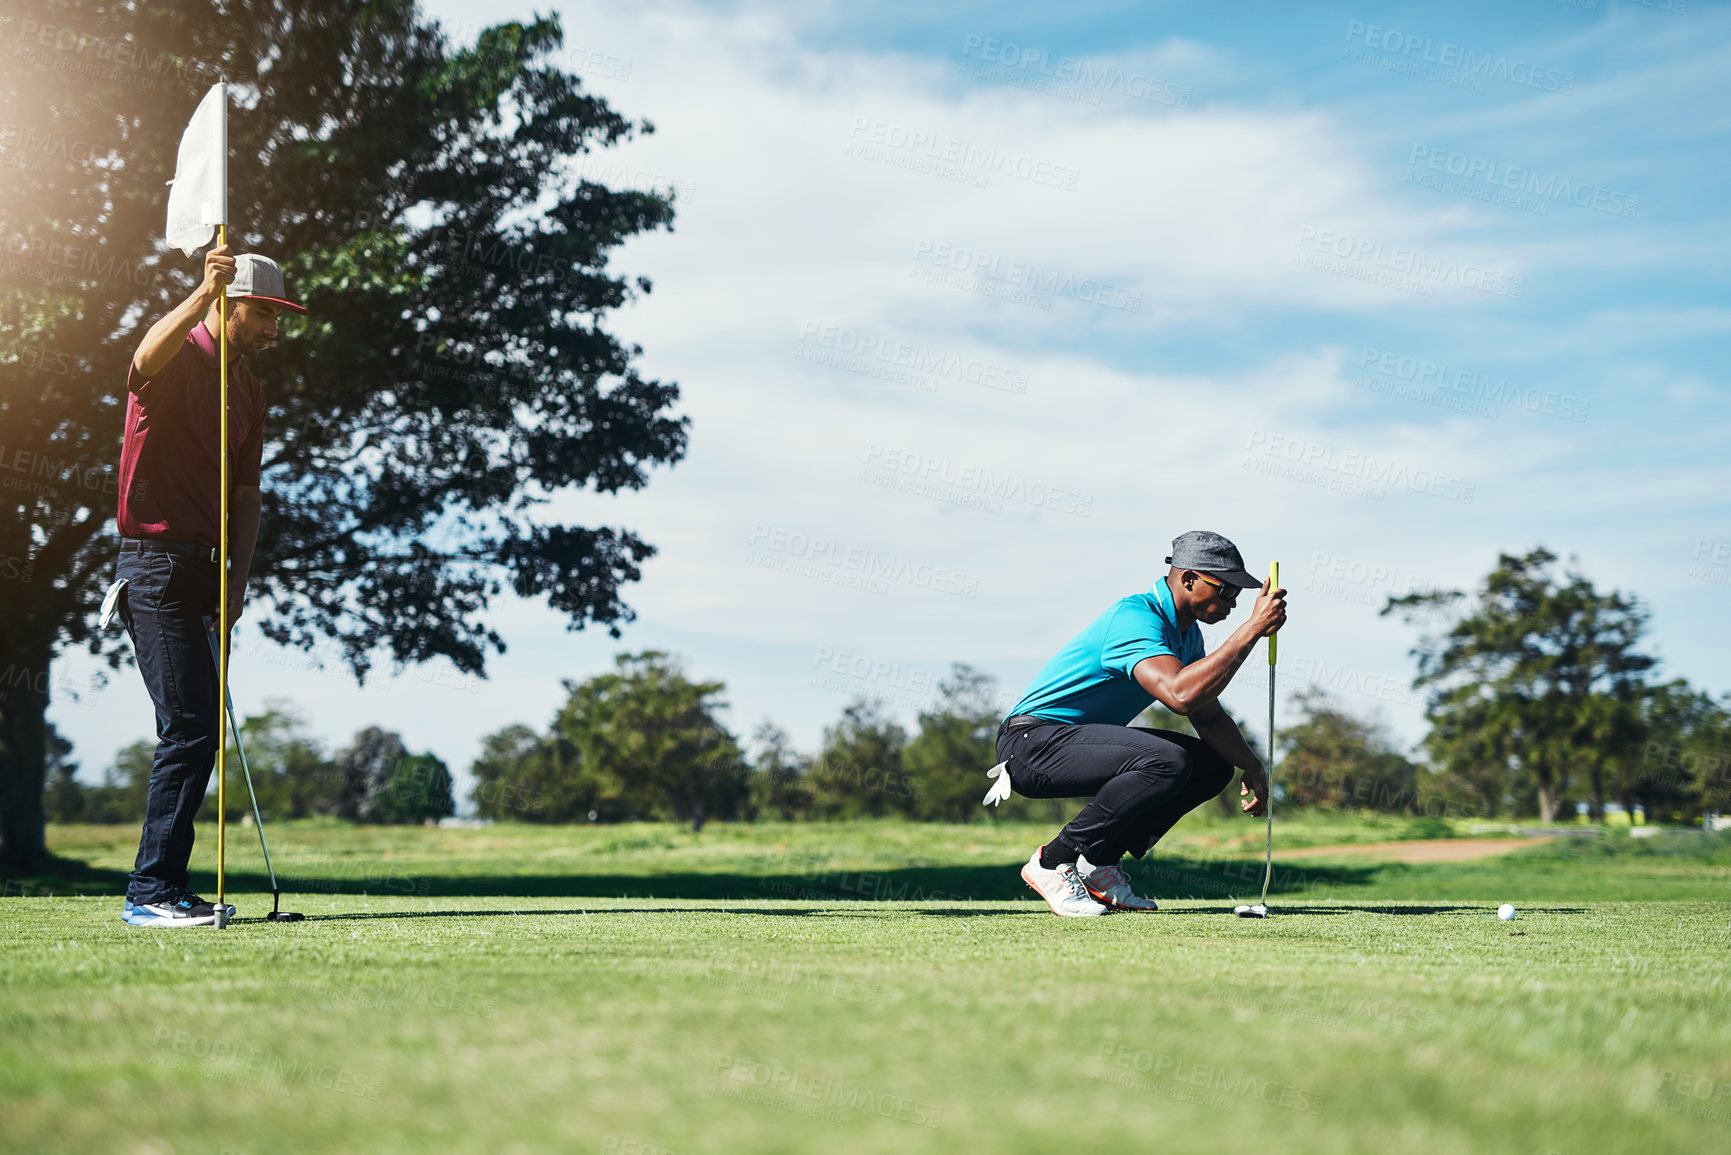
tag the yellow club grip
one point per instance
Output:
(1273, 583)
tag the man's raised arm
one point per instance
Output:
(1182, 689)
(164, 339)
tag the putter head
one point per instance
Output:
(1257, 911)
(276, 915)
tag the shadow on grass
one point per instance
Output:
(1221, 912)
(64, 876)
(900, 884)
(1159, 878)
(581, 912)
(1470, 909)
(1181, 878)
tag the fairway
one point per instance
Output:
(796, 1013)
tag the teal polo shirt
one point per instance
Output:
(1090, 679)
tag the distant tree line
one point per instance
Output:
(372, 779)
(1538, 698)
(645, 742)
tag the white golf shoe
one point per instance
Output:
(1061, 888)
(1108, 886)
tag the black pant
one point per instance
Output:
(1140, 781)
(167, 598)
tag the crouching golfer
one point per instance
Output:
(170, 509)
(1069, 736)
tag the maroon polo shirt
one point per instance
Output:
(169, 464)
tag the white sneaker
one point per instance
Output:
(1107, 885)
(1061, 888)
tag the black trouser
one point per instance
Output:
(166, 600)
(1140, 781)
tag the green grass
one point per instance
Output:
(493, 991)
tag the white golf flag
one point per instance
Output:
(198, 194)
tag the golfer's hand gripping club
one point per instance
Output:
(1269, 612)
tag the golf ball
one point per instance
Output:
(1506, 911)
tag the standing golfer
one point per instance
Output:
(1069, 736)
(170, 510)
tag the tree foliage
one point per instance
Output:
(1683, 766)
(654, 736)
(1331, 758)
(118, 799)
(642, 741)
(517, 775)
(859, 773)
(417, 789)
(291, 772)
(777, 788)
(382, 782)
(1537, 688)
(373, 779)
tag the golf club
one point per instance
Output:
(1260, 910)
(275, 914)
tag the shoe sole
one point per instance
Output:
(1110, 905)
(1120, 908)
(168, 922)
(1048, 902)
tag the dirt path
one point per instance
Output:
(1429, 850)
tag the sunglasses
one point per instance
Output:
(1226, 593)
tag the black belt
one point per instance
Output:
(1022, 721)
(162, 545)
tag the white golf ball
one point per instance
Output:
(1506, 911)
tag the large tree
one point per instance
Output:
(655, 735)
(642, 741)
(1527, 688)
(455, 371)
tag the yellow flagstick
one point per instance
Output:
(222, 603)
(222, 543)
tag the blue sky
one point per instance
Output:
(976, 306)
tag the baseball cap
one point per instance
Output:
(259, 278)
(1212, 554)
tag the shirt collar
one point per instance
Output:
(1163, 599)
(205, 342)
